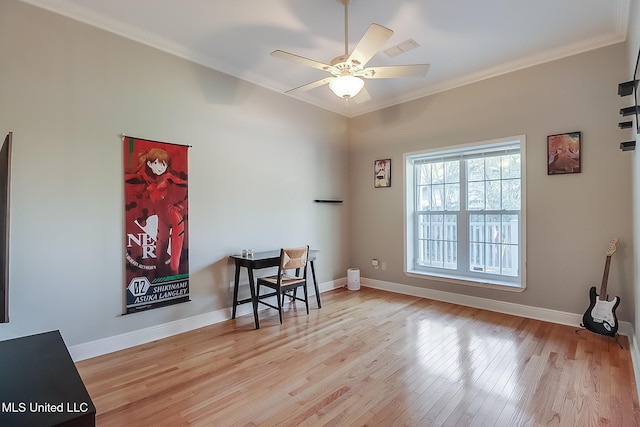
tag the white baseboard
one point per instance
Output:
(635, 358)
(142, 336)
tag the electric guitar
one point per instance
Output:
(600, 317)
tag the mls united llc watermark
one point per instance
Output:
(43, 407)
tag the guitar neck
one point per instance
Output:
(605, 279)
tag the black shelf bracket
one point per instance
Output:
(628, 146)
(629, 111)
(328, 201)
(626, 88)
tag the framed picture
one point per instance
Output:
(382, 173)
(564, 153)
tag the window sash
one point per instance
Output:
(439, 248)
(486, 150)
(454, 244)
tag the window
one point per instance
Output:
(464, 217)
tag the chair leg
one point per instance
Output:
(306, 297)
(280, 297)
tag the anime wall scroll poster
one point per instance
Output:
(156, 229)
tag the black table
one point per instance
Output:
(40, 385)
(257, 261)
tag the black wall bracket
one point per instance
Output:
(327, 201)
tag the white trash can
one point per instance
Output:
(353, 279)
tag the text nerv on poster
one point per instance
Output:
(156, 224)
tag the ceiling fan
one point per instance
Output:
(347, 70)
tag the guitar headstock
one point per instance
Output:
(612, 246)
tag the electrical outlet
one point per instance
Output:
(374, 263)
(383, 265)
(231, 286)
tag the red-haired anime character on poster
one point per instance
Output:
(156, 194)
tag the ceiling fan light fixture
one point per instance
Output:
(346, 86)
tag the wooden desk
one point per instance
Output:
(257, 261)
(40, 385)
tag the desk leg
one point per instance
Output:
(236, 284)
(254, 297)
(315, 284)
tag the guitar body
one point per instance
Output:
(600, 317)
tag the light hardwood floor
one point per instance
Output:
(372, 358)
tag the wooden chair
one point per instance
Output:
(290, 259)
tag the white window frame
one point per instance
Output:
(411, 228)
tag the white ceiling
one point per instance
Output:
(463, 40)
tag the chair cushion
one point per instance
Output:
(286, 279)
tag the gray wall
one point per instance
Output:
(633, 45)
(570, 218)
(257, 162)
(69, 90)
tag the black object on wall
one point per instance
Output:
(5, 185)
(626, 89)
(327, 201)
(636, 98)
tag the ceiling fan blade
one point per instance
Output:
(393, 71)
(301, 59)
(369, 45)
(310, 86)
